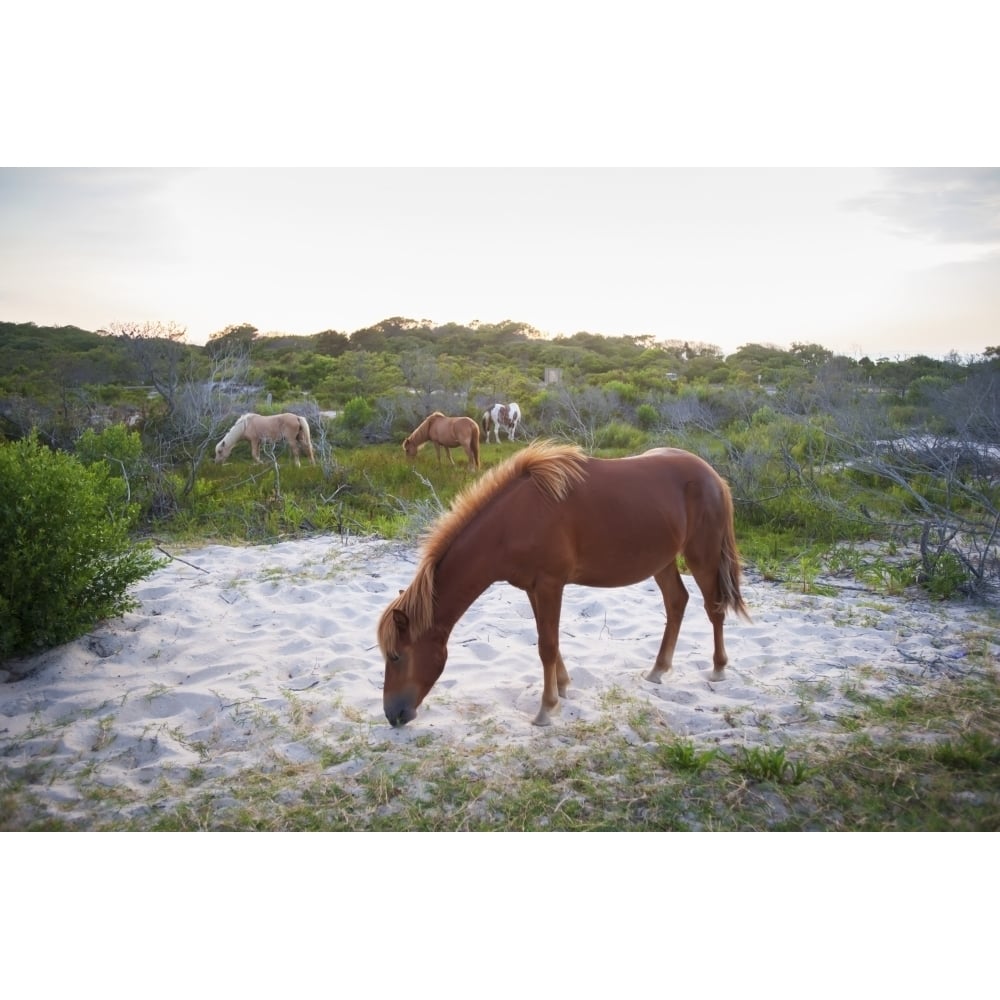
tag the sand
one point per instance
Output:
(240, 656)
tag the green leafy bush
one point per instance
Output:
(357, 413)
(620, 436)
(66, 558)
(647, 417)
(944, 576)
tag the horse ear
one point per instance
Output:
(401, 619)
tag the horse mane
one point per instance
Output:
(555, 470)
(234, 432)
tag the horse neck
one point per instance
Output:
(468, 568)
(235, 432)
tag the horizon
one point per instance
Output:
(949, 356)
(862, 262)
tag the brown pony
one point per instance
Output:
(446, 432)
(288, 427)
(550, 516)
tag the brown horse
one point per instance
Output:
(446, 432)
(288, 427)
(550, 516)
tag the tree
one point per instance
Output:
(331, 343)
(157, 348)
(203, 404)
(239, 335)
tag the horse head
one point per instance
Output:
(411, 668)
(410, 448)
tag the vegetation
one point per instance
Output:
(592, 778)
(66, 557)
(880, 472)
(883, 468)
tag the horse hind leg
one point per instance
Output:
(675, 598)
(708, 583)
(303, 444)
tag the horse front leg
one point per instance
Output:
(546, 604)
(675, 598)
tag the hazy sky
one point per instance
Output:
(876, 262)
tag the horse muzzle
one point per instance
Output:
(399, 711)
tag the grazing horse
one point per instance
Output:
(502, 415)
(446, 432)
(288, 427)
(550, 516)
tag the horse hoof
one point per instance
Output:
(717, 675)
(654, 677)
(543, 718)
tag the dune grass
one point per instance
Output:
(928, 761)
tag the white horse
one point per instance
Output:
(502, 415)
(288, 427)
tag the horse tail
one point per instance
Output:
(474, 444)
(730, 597)
(306, 438)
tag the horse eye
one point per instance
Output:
(394, 658)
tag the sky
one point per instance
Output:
(862, 261)
(703, 178)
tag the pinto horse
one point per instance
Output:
(288, 427)
(502, 415)
(551, 516)
(446, 432)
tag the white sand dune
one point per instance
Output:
(237, 656)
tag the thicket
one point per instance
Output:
(882, 469)
(67, 552)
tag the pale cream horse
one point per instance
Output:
(446, 432)
(287, 427)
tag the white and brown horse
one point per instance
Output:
(287, 427)
(502, 415)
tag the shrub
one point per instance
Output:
(619, 436)
(647, 417)
(66, 559)
(357, 413)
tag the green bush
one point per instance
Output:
(944, 576)
(357, 413)
(66, 558)
(647, 417)
(619, 436)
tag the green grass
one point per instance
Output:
(358, 491)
